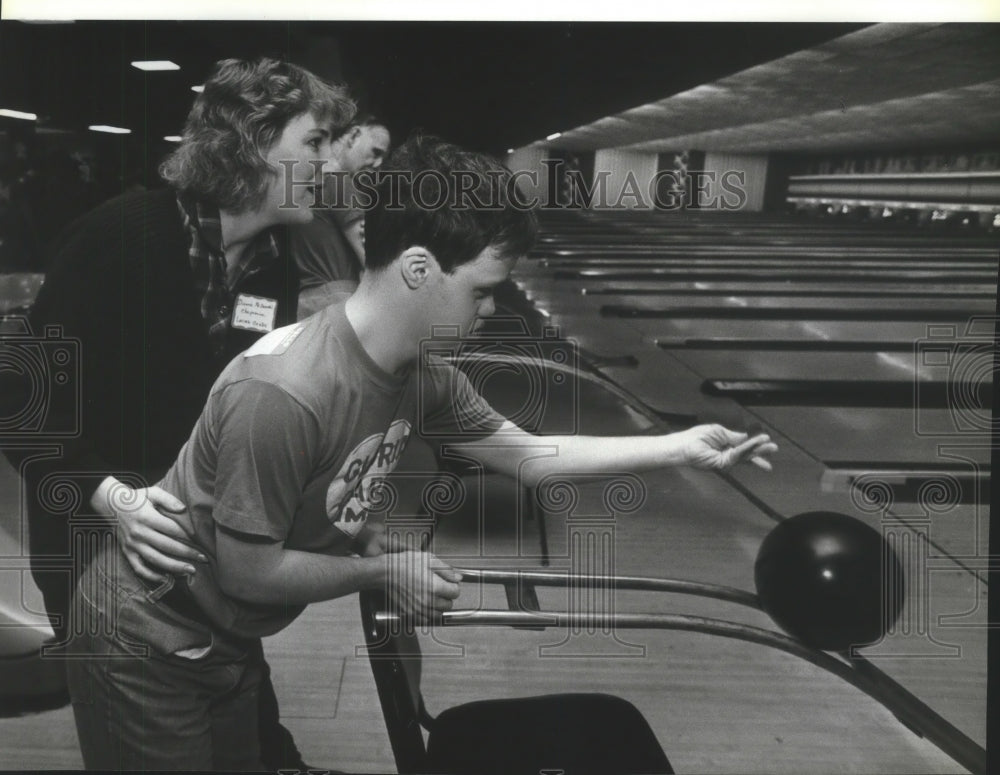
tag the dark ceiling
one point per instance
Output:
(489, 86)
(888, 86)
(503, 85)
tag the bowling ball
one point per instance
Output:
(829, 580)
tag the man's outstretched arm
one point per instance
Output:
(709, 447)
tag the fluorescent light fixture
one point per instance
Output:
(18, 114)
(172, 138)
(114, 130)
(198, 89)
(554, 136)
(156, 64)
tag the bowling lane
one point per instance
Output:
(670, 384)
(687, 323)
(657, 380)
(672, 242)
(788, 306)
(830, 289)
(777, 243)
(855, 309)
(856, 436)
(528, 275)
(804, 365)
(839, 439)
(710, 257)
(902, 380)
(764, 235)
(837, 436)
(797, 274)
(766, 334)
(912, 464)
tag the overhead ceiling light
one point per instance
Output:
(510, 150)
(198, 89)
(172, 138)
(18, 114)
(554, 136)
(156, 64)
(114, 130)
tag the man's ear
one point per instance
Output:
(415, 266)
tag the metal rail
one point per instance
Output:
(912, 712)
(546, 578)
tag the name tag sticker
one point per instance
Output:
(254, 313)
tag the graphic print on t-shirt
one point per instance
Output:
(356, 487)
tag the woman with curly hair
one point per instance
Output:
(161, 289)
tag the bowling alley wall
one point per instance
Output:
(956, 186)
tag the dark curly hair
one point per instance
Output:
(241, 113)
(471, 204)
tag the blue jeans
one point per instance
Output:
(138, 704)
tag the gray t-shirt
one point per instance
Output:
(294, 442)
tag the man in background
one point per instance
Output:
(330, 249)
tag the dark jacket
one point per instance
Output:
(121, 289)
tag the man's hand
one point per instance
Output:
(716, 448)
(420, 585)
(149, 538)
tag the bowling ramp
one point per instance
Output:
(28, 681)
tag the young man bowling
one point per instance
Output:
(286, 461)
